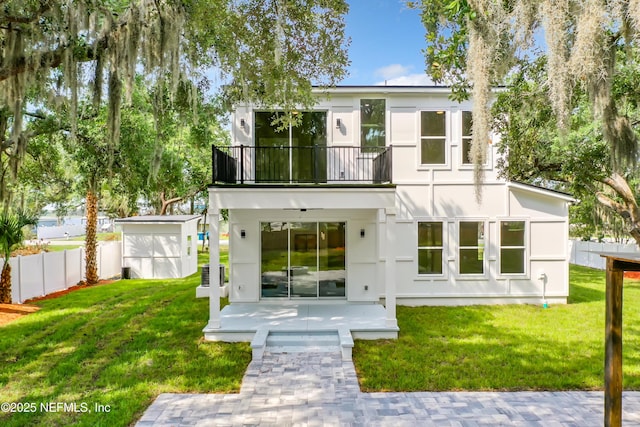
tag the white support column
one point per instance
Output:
(214, 266)
(390, 267)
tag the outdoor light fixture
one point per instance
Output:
(362, 233)
(338, 123)
(242, 123)
(243, 234)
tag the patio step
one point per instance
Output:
(302, 341)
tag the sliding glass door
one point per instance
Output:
(303, 260)
(291, 153)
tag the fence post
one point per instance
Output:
(19, 279)
(66, 278)
(100, 263)
(44, 275)
(82, 269)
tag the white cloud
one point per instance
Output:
(392, 71)
(401, 75)
(417, 79)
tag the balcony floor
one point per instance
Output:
(240, 321)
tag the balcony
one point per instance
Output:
(301, 165)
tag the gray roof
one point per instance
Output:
(158, 219)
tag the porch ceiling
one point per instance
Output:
(305, 197)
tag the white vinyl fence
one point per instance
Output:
(587, 254)
(38, 275)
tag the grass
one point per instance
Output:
(61, 248)
(124, 343)
(512, 347)
(101, 237)
(119, 345)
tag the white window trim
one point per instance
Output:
(445, 234)
(485, 260)
(447, 141)
(527, 260)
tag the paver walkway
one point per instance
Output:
(303, 389)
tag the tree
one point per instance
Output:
(178, 167)
(94, 161)
(577, 160)
(61, 50)
(11, 227)
(50, 49)
(475, 44)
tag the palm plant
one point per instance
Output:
(11, 225)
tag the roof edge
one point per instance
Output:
(541, 190)
(158, 219)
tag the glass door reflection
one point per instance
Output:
(303, 260)
(303, 252)
(275, 259)
(331, 259)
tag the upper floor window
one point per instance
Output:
(372, 120)
(471, 256)
(467, 125)
(430, 248)
(512, 247)
(286, 153)
(433, 138)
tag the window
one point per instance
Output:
(467, 125)
(372, 118)
(512, 248)
(285, 153)
(471, 255)
(429, 248)
(433, 138)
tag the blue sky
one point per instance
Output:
(386, 43)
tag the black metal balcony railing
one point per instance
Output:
(317, 164)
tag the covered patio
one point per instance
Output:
(240, 321)
(370, 266)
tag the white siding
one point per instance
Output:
(443, 193)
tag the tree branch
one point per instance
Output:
(619, 208)
(621, 187)
(35, 115)
(54, 58)
(44, 6)
(166, 203)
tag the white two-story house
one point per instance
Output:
(369, 201)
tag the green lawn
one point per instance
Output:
(123, 343)
(120, 345)
(511, 347)
(99, 236)
(60, 248)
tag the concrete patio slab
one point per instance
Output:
(240, 321)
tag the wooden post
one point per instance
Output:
(613, 345)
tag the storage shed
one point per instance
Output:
(160, 247)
